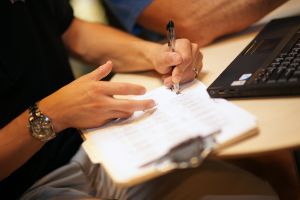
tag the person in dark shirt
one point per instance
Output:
(42, 106)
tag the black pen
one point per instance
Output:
(171, 43)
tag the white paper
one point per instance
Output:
(147, 136)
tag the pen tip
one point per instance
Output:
(170, 25)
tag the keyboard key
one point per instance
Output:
(270, 70)
(282, 80)
(285, 64)
(294, 64)
(288, 59)
(297, 73)
(280, 70)
(293, 80)
(288, 73)
(276, 74)
(275, 64)
(278, 59)
(296, 60)
(282, 55)
(292, 54)
(264, 79)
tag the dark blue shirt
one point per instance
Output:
(126, 13)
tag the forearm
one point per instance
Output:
(96, 43)
(203, 21)
(16, 145)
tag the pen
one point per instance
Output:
(171, 43)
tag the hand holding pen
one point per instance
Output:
(171, 44)
(191, 60)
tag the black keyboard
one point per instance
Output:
(285, 68)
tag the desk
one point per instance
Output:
(278, 118)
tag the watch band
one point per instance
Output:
(33, 110)
(40, 125)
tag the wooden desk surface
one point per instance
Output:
(278, 118)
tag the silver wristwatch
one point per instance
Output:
(40, 125)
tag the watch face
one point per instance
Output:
(41, 128)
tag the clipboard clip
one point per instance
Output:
(188, 154)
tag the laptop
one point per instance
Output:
(268, 66)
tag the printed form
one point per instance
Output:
(147, 136)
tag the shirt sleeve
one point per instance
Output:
(127, 11)
(63, 14)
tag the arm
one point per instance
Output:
(84, 103)
(96, 43)
(88, 102)
(203, 21)
(15, 138)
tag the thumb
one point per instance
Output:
(100, 72)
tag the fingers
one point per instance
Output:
(100, 72)
(166, 60)
(185, 49)
(125, 105)
(191, 62)
(130, 106)
(186, 59)
(120, 114)
(110, 115)
(197, 61)
(114, 88)
(168, 81)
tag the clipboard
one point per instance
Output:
(105, 144)
(189, 154)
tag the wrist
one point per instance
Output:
(151, 52)
(53, 114)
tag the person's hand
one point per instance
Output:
(88, 102)
(187, 60)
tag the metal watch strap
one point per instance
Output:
(33, 109)
(40, 125)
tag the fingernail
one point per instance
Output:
(142, 90)
(152, 106)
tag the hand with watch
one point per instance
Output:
(84, 103)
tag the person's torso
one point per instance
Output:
(34, 64)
